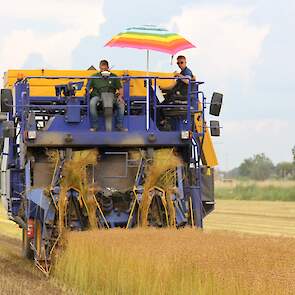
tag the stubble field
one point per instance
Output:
(215, 261)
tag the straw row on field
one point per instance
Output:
(146, 261)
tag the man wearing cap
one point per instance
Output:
(99, 86)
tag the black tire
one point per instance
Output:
(27, 252)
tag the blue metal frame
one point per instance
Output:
(135, 124)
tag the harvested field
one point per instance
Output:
(258, 217)
(17, 275)
(7, 227)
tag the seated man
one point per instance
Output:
(179, 87)
(99, 86)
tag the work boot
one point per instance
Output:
(122, 129)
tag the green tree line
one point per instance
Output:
(260, 167)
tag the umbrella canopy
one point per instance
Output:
(150, 38)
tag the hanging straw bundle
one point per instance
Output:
(160, 173)
(74, 176)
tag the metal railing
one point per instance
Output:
(150, 100)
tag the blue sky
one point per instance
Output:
(245, 49)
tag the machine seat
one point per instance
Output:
(181, 101)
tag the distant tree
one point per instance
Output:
(285, 170)
(246, 167)
(259, 167)
(293, 153)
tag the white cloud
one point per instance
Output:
(228, 44)
(75, 19)
(266, 127)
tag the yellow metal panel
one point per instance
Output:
(209, 156)
(137, 85)
(45, 87)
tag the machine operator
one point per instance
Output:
(99, 86)
(179, 86)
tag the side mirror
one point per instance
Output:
(214, 128)
(216, 103)
(6, 100)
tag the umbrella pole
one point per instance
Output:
(147, 91)
(147, 62)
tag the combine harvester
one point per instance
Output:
(56, 174)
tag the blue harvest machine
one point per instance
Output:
(32, 126)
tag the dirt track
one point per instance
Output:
(18, 276)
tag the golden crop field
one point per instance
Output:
(177, 262)
(258, 217)
(166, 261)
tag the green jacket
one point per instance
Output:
(104, 84)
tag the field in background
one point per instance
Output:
(270, 190)
(7, 227)
(172, 262)
(258, 217)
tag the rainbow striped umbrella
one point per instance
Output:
(150, 37)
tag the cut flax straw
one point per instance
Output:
(169, 262)
(74, 176)
(160, 173)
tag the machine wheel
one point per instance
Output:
(27, 252)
